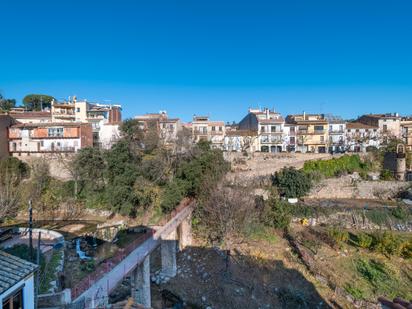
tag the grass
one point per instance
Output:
(49, 271)
(258, 232)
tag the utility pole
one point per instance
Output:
(30, 231)
(38, 271)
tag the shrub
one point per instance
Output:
(406, 249)
(374, 272)
(401, 213)
(387, 243)
(338, 235)
(292, 183)
(364, 240)
(354, 291)
(277, 214)
(336, 166)
(386, 175)
(174, 192)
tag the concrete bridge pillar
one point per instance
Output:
(140, 282)
(168, 252)
(184, 231)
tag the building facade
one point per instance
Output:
(5, 122)
(104, 118)
(205, 129)
(167, 128)
(389, 124)
(269, 126)
(310, 132)
(406, 132)
(360, 137)
(42, 138)
(241, 141)
(337, 133)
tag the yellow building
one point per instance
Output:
(310, 132)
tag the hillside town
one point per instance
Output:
(98, 211)
(74, 124)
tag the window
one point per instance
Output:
(330, 128)
(264, 139)
(220, 129)
(14, 301)
(273, 128)
(318, 128)
(55, 132)
(292, 139)
(292, 129)
(78, 109)
(262, 129)
(385, 128)
(322, 139)
(213, 128)
(341, 128)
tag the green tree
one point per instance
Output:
(90, 166)
(36, 102)
(6, 104)
(291, 182)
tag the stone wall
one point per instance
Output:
(347, 187)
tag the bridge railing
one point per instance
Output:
(112, 262)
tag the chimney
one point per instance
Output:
(267, 112)
(304, 115)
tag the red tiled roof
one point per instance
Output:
(359, 125)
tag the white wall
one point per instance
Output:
(108, 135)
(28, 292)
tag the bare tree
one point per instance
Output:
(9, 194)
(227, 211)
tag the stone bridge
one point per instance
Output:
(175, 234)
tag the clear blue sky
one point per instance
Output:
(212, 57)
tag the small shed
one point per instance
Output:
(16, 282)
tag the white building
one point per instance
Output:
(269, 126)
(16, 282)
(360, 137)
(241, 141)
(337, 133)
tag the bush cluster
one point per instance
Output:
(292, 183)
(386, 243)
(346, 164)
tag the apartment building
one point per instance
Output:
(389, 124)
(41, 138)
(406, 131)
(310, 132)
(360, 137)
(104, 118)
(269, 126)
(241, 141)
(205, 129)
(167, 128)
(337, 133)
